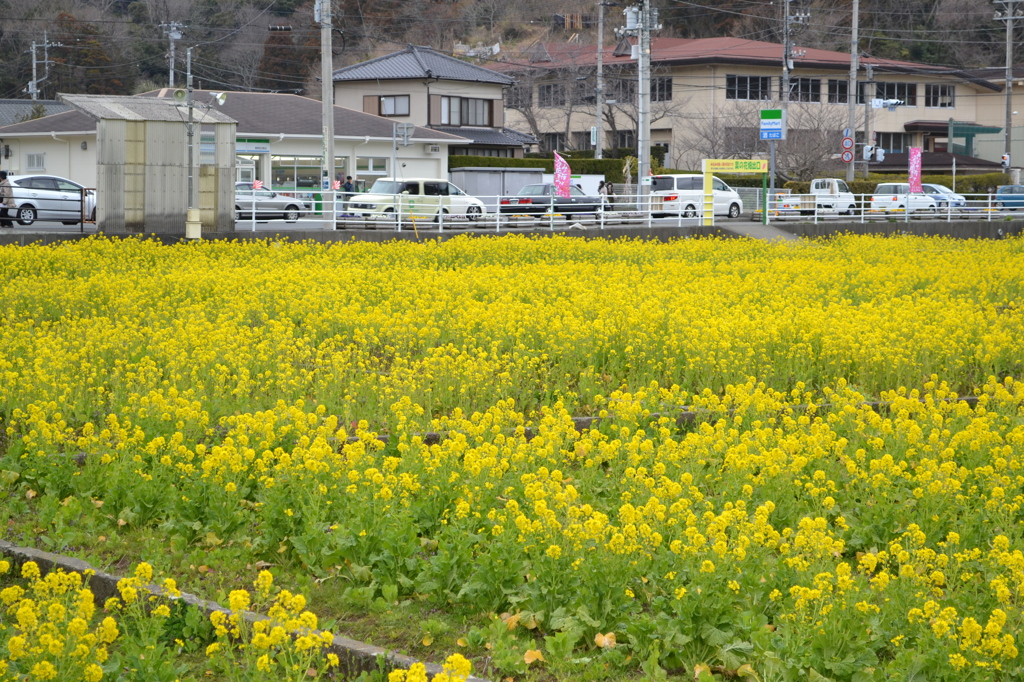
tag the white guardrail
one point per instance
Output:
(335, 210)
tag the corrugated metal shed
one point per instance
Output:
(126, 108)
(419, 62)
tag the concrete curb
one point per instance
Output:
(355, 657)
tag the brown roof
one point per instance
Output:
(935, 161)
(717, 51)
(257, 113)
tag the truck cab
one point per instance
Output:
(832, 194)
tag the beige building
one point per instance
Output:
(706, 95)
(423, 87)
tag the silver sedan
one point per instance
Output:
(268, 204)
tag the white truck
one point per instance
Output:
(827, 195)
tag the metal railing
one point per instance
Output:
(402, 212)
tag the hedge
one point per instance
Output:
(965, 184)
(610, 168)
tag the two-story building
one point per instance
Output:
(427, 88)
(706, 95)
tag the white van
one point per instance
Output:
(684, 195)
(896, 196)
(414, 197)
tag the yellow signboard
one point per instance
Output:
(735, 166)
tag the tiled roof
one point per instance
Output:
(13, 109)
(717, 51)
(257, 113)
(934, 161)
(419, 62)
(504, 136)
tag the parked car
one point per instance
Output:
(542, 198)
(684, 194)
(896, 196)
(268, 203)
(944, 196)
(1010, 196)
(413, 197)
(833, 194)
(50, 198)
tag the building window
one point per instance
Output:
(905, 92)
(468, 111)
(519, 97)
(625, 139)
(940, 96)
(550, 142)
(505, 152)
(838, 91)
(623, 90)
(394, 105)
(294, 172)
(551, 95)
(748, 87)
(803, 89)
(371, 165)
(582, 92)
(892, 142)
(35, 162)
(661, 89)
(581, 140)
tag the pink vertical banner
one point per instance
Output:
(914, 169)
(562, 176)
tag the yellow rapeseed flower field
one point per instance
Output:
(781, 477)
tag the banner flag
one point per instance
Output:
(914, 169)
(563, 176)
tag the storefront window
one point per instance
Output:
(294, 172)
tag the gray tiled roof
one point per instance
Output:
(263, 114)
(419, 62)
(503, 136)
(13, 109)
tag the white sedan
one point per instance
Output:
(50, 198)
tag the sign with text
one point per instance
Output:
(735, 166)
(773, 124)
(914, 169)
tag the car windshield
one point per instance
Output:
(387, 187)
(533, 191)
(842, 186)
(941, 189)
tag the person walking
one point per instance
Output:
(6, 200)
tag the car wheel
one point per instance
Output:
(26, 214)
(734, 211)
(689, 211)
(473, 213)
(443, 211)
(999, 204)
(850, 209)
(291, 214)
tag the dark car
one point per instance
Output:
(538, 199)
(269, 204)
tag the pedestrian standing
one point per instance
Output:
(6, 200)
(609, 191)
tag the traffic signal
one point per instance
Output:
(869, 151)
(879, 154)
(1006, 161)
(279, 28)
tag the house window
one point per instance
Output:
(625, 139)
(519, 97)
(394, 105)
(892, 142)
(371, 165)
(906, 92)
(803, 89)
(748, 87)
(838, 91)
(550, 142)
(469, 111)
(940, 96)
(35, 162)
(551, 95)
(661, 89)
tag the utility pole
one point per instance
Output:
(599, 101)
(868, 96)
(33, 86)
(190, 131)
(851, 88)
(327, 90)
(1008, 14)
(643, 133)
(788, 52)
(173, 32)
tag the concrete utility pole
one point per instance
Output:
(173, 33)
(1008, 14)
(868, 96)
(643, 133)
(327, 90)
(788, 52)
(33, 85)
(599, 94)
(851, 88)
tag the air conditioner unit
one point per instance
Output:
(433, 148)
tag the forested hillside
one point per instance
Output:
(121, 46)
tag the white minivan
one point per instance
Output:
(896, 196)
(684, 195)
